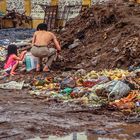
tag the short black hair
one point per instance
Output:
(42, 26)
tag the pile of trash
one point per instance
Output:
(113, 89)
(104, 36)
(11, 35)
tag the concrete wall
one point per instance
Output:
(33, 9)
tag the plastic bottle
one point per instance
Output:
(28, 61)
(138, 103)
(33, 61)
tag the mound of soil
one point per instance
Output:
(109, 36)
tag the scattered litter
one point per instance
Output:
(12, 85)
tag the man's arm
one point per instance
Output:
(34, 38)
(57, 45)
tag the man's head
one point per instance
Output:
(42, 26)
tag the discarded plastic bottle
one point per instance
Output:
(34, 61)
(31, 61)
(28, 62)
(138, 103)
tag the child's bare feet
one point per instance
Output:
(6, 74)
(13, 73)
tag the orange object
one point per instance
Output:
(129, 98)
(79, 82)
(89, 84)
(126, 102)
(49, 79)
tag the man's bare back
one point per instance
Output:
(44, 38)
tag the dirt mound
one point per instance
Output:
(109, 36)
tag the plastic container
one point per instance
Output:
(30, 61)
(33, 61)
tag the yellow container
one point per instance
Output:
(138, 1)
(3, 6)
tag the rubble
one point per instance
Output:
(109, 35)
(18, 19)
(98, 74)
(97, 89)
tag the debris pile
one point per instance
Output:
(108, 35)
(17, 18)
(95, 89)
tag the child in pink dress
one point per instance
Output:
(12, 60)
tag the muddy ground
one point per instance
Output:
(24, 116)
(111, 39)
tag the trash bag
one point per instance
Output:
(114, 89)
(117, 89)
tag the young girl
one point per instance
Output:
(12, 60)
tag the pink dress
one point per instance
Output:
(10, 63)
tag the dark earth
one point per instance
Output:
(24, 116)
(111, 39)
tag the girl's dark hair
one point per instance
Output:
(12, 49)
(42, 26)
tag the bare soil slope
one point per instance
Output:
(109, 35)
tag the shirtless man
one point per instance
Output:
(40, 42)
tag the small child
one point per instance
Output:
(12, 60)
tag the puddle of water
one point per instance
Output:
(74, 136)
(118, 132)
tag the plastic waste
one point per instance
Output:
(34, 61)
(93, 97)
(12, 85)
(5, 42)
(77, 92)
(103, 79)
(138, 103)
(68, 82)
(66, 91)
(75, 44)
(89, 83)
(30, 61)
(114, 89)
(3, 53)
(40, 83)
(84, 100)
(117, 89)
